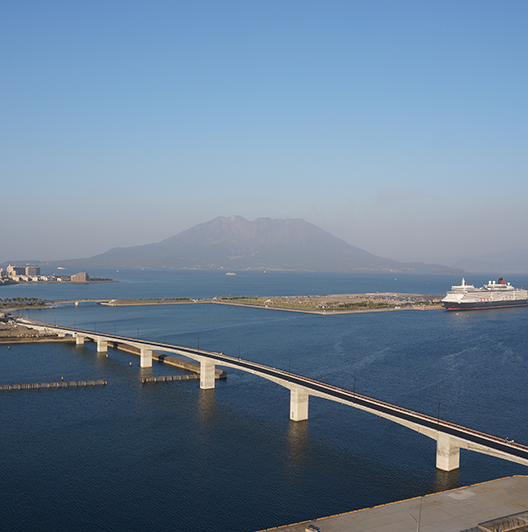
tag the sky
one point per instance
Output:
(399, 126)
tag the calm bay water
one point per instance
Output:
(171, 456)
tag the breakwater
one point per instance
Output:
(52, 385)
(170, 378)
(187, 365)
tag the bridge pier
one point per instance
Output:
(447, 453)
(79, 340)
(298, 405)
(207, 375)
(102, 346)
(145, 360)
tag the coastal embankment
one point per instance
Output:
(18, 334)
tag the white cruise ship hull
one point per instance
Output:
(478, 305)
(492, 295)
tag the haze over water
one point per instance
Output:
(130, 456)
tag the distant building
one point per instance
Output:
(13, 271)
(82, 277)
(31, 271)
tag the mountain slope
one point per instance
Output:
(235, 243)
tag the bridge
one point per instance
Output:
(450, 438)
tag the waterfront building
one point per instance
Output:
(81, 277)
(13, 271)
(31, 271)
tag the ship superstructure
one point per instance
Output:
(495, 294)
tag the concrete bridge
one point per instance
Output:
(450, 438)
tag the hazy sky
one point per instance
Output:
(399, 126)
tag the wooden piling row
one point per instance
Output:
(170, 378)
(51, 385)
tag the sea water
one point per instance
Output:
(170, 456)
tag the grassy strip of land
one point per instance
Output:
(19, 303)
(321, 304)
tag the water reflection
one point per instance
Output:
(206, 405)
(297, 447)
(446, 480)
(145, 372)
(297, 436)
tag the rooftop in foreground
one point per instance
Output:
(458, 510)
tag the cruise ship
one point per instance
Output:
(495, 294)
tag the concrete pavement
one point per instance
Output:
(455, 510)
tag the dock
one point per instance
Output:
(487, 507)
